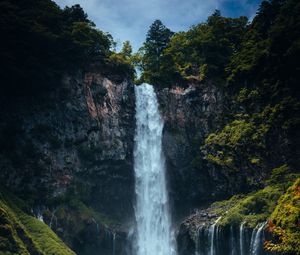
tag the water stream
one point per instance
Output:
(154, 234)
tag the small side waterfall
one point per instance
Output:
(256, 242)
(233, 240)
(242, 238)
(53, 217)
(212, 237)
(154, 235)
(114, 243)
(197, 248)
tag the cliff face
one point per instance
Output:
(190, 115)
(70, 152)
(76, 144)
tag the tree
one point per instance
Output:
(158, 38)
(76, 14)
(126, 49)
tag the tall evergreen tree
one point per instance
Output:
(158, 38)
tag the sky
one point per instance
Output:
(131, 19)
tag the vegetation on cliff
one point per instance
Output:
(22, 233)
(284, 222)
(41, 42)
(262, 79)
(257, 206)
(198, 54)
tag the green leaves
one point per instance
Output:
(284, 223)
(198, 54)
(41, 42)
(158, 38)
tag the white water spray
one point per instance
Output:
(154, 235)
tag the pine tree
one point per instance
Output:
(158, 38)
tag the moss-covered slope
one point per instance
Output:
(21, 233)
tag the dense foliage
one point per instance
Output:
(284, 222)
(150, 55)
(40, 42)
(201, 52)
(229, 51)
(257, 206)
(262, 131)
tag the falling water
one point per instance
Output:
(256, 239)
(52, 218)
(153, 235)
(197, 240)
(242, 238)
(232, 241)
(215, 240)
(114, 243)
(212, 236)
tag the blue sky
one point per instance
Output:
(130, 19)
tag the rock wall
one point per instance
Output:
(74, 143)
(77, 141)
(190, 115)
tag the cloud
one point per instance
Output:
(130, 19)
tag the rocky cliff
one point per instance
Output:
(190, 115)
(69, 153)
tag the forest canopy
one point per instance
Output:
(228, 51)
(41, 42)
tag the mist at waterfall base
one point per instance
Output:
(153, 233)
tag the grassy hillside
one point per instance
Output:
(21, 233)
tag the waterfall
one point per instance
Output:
(114, 243)
(242, 238)
(217, 239)
(197, 240)
(53, 217)
(154, 235)
(256, 239)
(212, 236)
(235, 240)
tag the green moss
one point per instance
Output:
(232, 135)
(244, 143)
(246, 94)
(253, 208)
(24, 234)
(10, 241)
(285, 221)
(283, 175)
